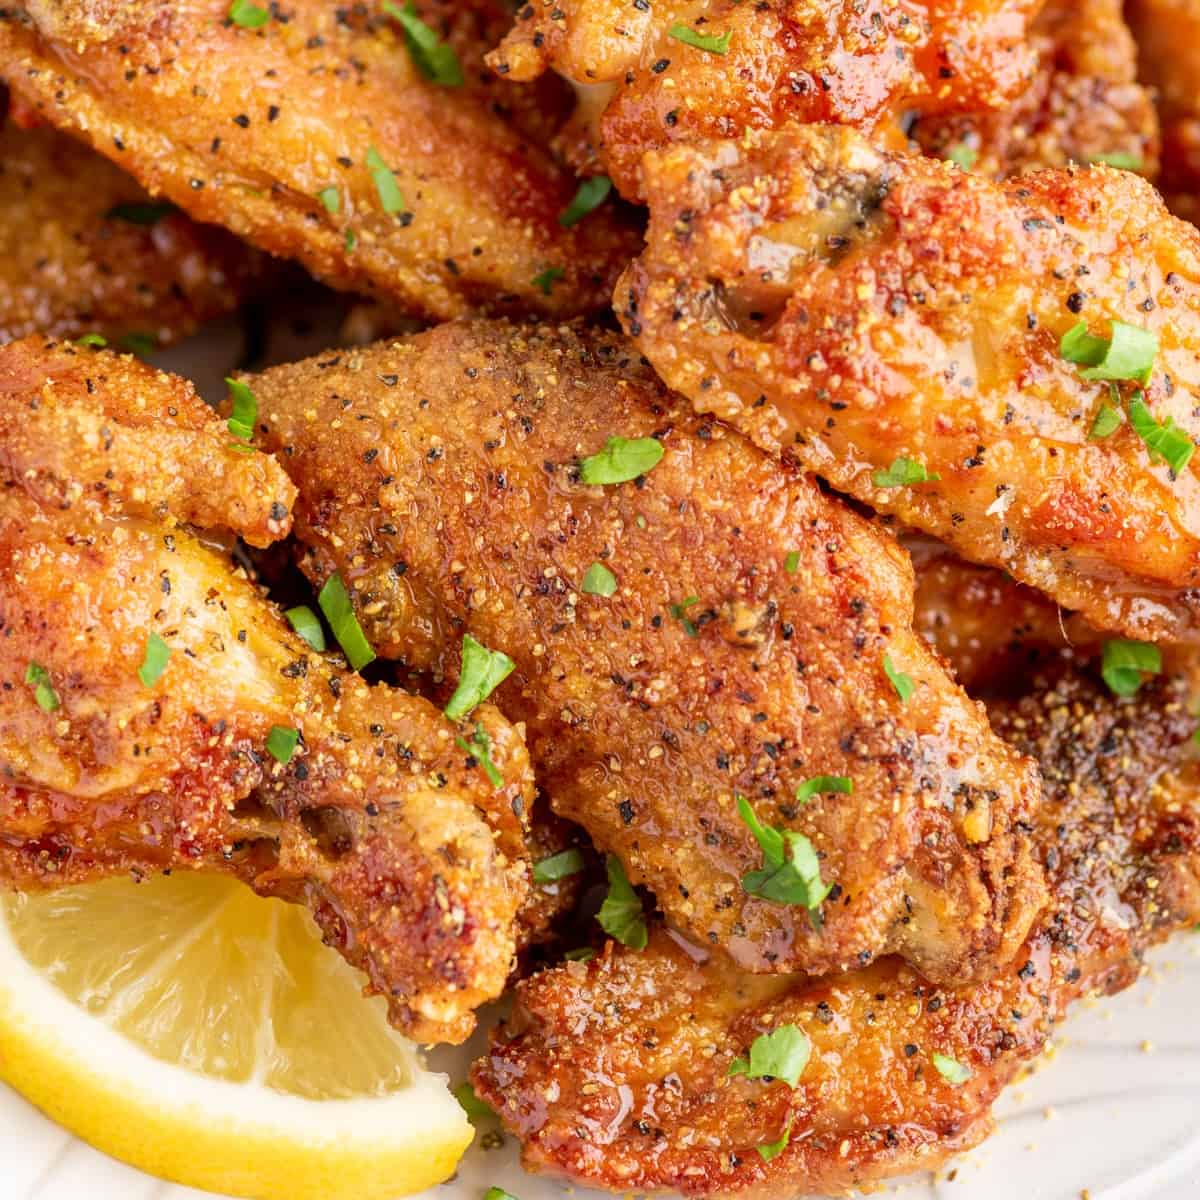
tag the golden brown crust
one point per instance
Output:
(1083, 104)
(440, 475)
(69, 266)
(413, 863)
(853, 62)
(245, 127)
(850, 307)
(615, 1073)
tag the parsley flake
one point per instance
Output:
(470, 1103)
(351, 241)
(963, 156)
(1120, 159)
(716, 43)
(334, 601)
(1128, 354)
(495, 1193)
(791, 871)
(621, 914)
(824, 783)
(391, 199)
(1106, 421)
(432, 57)
(598, 580)
(148, 213)
(679, 612)
(590, 194)
(92, 339)
(899, 680)
(38, 678)
(282, 742)
(951, 1070)
(1165, 440)
(245, 410)
(546, 280)
(248, 15)
(773, 1149)
(1123, 664)
(331, 200)
(479, 748)
(903, 472)
(154, 660)
(304, 621)
(582, 954)
(558, 866)
(791, 564)
(483, 671)
(781, 1054)
(621, 460)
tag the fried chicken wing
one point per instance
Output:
(743, 651)
(156, 712)
(316, 137)
(854, 62)
(71, 263)
(617, 1072)
(1083, 104)
(894, 324)
(1168, 38)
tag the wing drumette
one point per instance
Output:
(617, 1073)
(743, 650)
(157, 712)
(895, 325)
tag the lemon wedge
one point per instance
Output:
(205, 1035)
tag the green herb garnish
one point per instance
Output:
(951, 1070)
(791, 564)
(1164, 440)
(1123, 663)
(679, 612)
(1106, 421)
(1120, 159)
(824, 783)
(903, 472)
(141, 344)
(716, 43)
(154, 660)
(92, 339)
(38, 678)
(582, 954)
(598, 580)
(483, 671)
(899, 680)
(391, 199)
(546, 280)
(1128, 354)
(148, 213)
(248, 15)
(331, 199)
(479, 748)
(435, 59)
(304, 621)
(588, 197)
(470, 1103)
(791, 871)
(781, 1054)
(334, 602)
(281, 743)
(558, 866)
(621, 914)
(621, 460)
(773, 1149)
(963, 156)
(245, 410)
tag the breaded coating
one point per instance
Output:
(71, 264)
(1084, 103)
(864, 63)
(877, 317)
(113, 760)
(316, 137)
(1168, 39)
(742, 651)
(616, 1072)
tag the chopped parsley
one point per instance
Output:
(963, 156)
(483, 671)
(334, 602)
(621, 914)
(679, 612)
(545, 280)
(598, 580)
(791, 871)
(245, 411)
(38, 678)
(495, 1193)
(791, 564)
(351, 241)
(1128, 354)
(479, 748)
(1123, 663)
(470, 1103)
(773, 1149)
(717, 43)
(1120, 159)
(951, 1070)
(582, 954)
(304, 621)
(432, 57)
(590, 194)
(824, 783)
(154, 660)
(558, 866)
(331, 200)
(899, 680)
(1106, 421)
(148, 213)
(781, 1054)
(621, 460)
(248, 15)
(1164, 440)
(903, 472)
(92, 339)
(391, 199)
(281, 743)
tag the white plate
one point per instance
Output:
(1114, 1114)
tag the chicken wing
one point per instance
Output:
(1168, 38)
(156, 712)
(83, 250)
(617, 1072)
(317, 137)
(744, 649)
(1084, 103)
(895, 325)
(653, 76)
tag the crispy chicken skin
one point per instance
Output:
(615, 1072)
(852, 62)
(849, 307)
(69, 267)
(250, 128)
(440, 475)
(411, 861)
(1168, 38)
(1083, 104)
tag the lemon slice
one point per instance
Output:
(203, 1034)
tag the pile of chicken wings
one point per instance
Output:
(747, 603)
